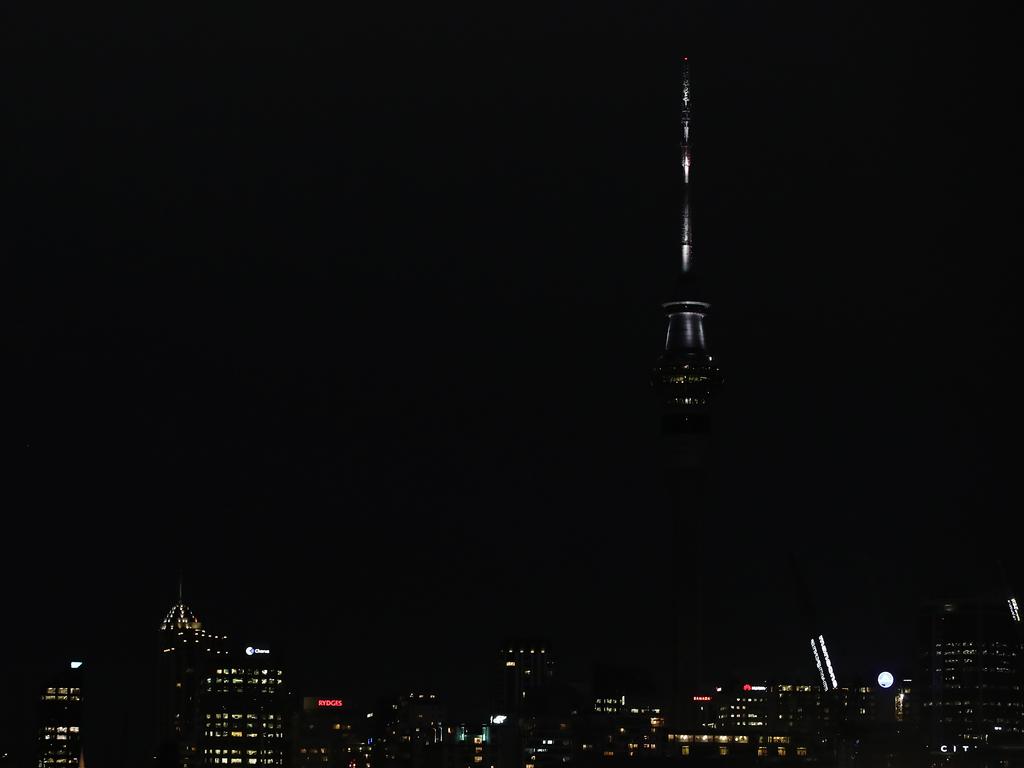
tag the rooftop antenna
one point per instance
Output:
(685, 235)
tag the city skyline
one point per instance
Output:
(887, 714)
(351, 324)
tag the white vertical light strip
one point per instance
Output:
(1014, 610)
(685, 236)
(828, 661)
(817, 663)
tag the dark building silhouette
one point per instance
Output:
(876, 724)
(60, 719)
(524, 665)
(327, 734)
(243, 710)
(549, 724)
(684, 377)
(186, 651)
(409, 731)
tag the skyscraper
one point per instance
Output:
(524, 665)
(60, 720)
(684, 378)
(242, 711)
(970, 687)
(186, 650)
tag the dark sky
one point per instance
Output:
(350, 316)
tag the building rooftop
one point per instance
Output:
(180, 617)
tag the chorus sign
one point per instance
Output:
(330, 703)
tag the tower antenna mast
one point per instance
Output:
(685, 234)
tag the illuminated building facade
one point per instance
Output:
(243, 705)
(60, 720)
(684, 377)
(187, 651)
(969, 690)
(752, 722)
(904, 702)
(748, 708)
(472, 747)
(740, 748)
(620, 728)
(787, 708)
(326, 734)
(759, 723)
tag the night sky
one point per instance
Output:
(349, 316)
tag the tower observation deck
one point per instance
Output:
(685, 374)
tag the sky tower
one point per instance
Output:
(684, 378)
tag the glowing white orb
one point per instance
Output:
(885, 679)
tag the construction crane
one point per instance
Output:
(812, 627)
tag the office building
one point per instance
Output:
(243, 710)
(60, 720)
(969, 686)
(186, 653)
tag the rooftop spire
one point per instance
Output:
(685, 235)
(180, 616)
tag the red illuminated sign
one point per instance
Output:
(330, 703)
(702, 698)
(747, 686)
